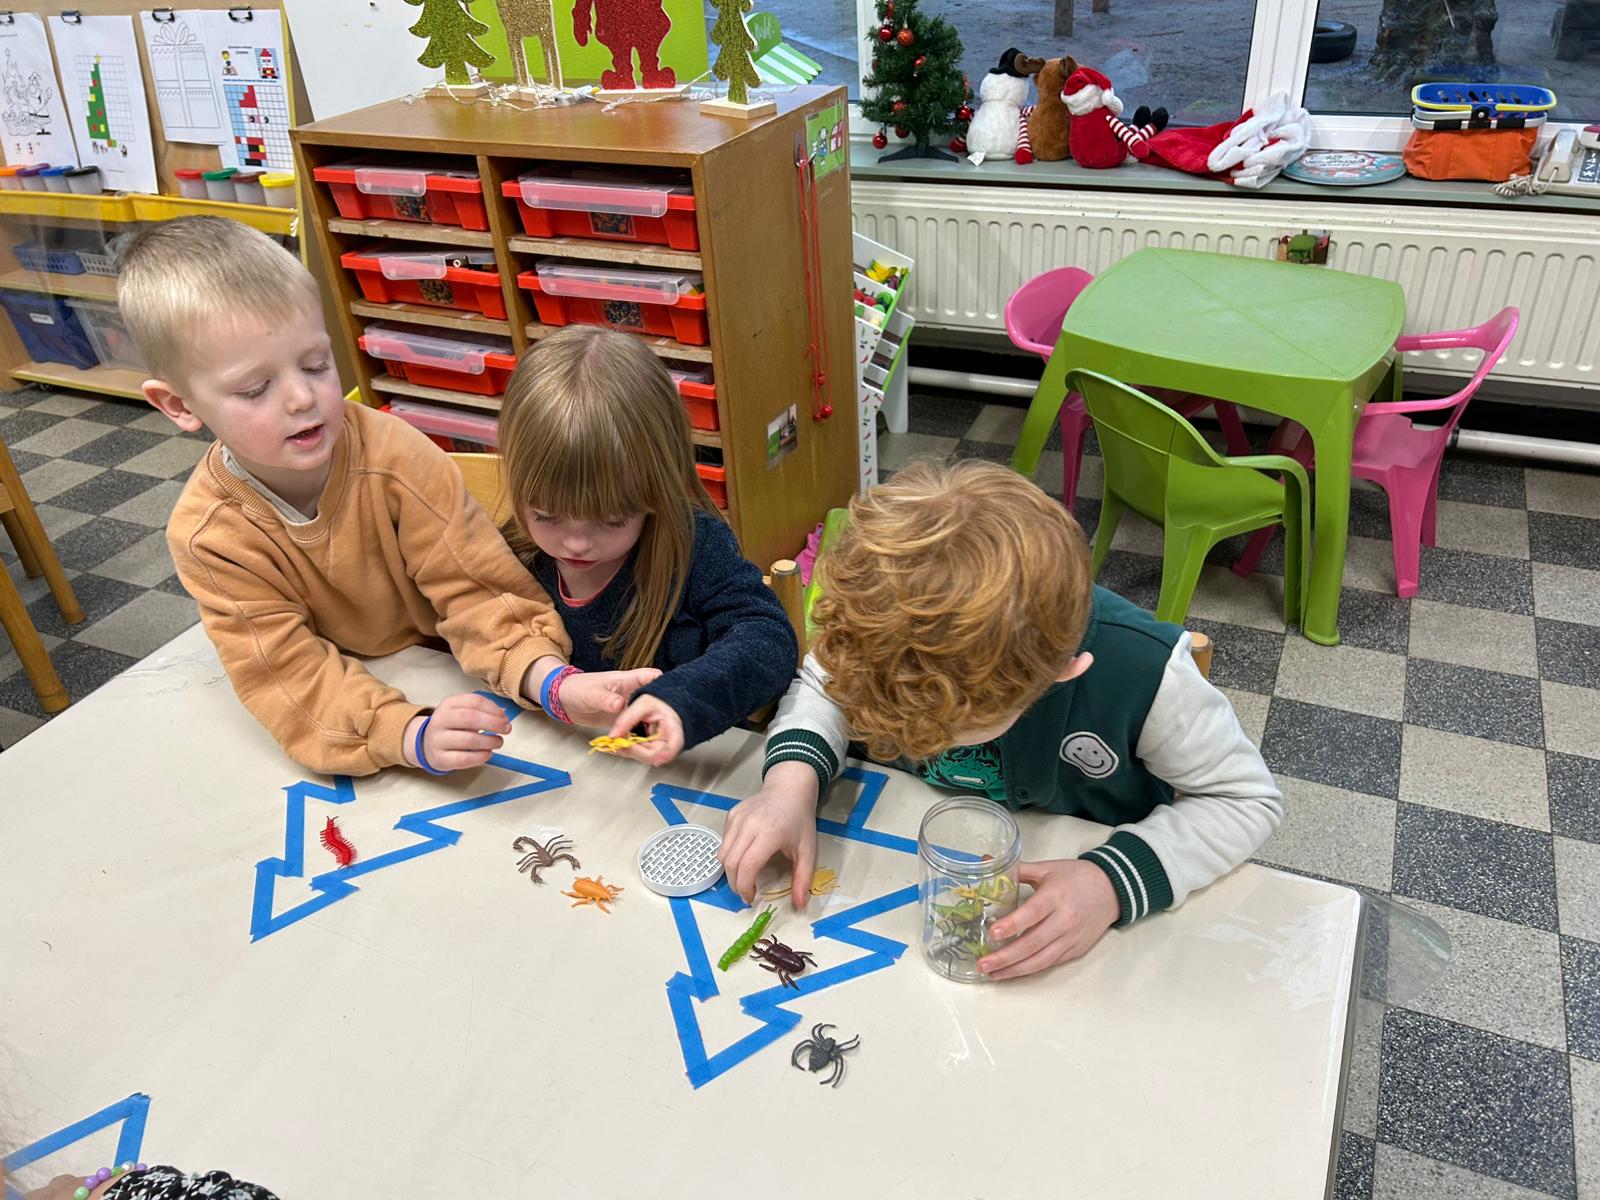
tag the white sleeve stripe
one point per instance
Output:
(799, 751)
(1116, 870)
(1143, 895)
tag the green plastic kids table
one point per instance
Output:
(1302, 342)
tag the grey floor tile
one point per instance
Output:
(1586, 1123)
(97, 596)
(152, 421)
(14, 725)
(1578, 887)
(1353, 1178)
(1250, 708)
(82, 669)
(1369, 511)
(22, 426)
(174, 585)
(56, 475)
(23, 397)
(1483, 529)
(121, 412)
(1374, 620)
(1001, 423)
(21, 459)
(1400, 1175)
(1333, 833)
(153, 507)
(1501, 977)
(1487, 704)
(1241, 658)
(1221, 595)
(1482, 481)
(1475, 580)
(943, 416)
(1491, 780)
(1574, 785)
(96, 540)
(1569, 653)
(1368, 565)
(1580, 964)
(1135, 535)
(1473, 637)
(1494, 870)
(989, 452)
(145, 623)
(1557, 490)
(1048, 474)
(147, 563)
(116, 447)
(1552, 538)
(10, 663)
(1498, 1107)
(104, 491)
(1135, 577)
(1086, 512)
(1571, 719)
(1566, 593)
(1341, 749)
(896, 450)
(172, 458)
(1344, 677)
(61, 436)
(1361, 1082)
(65, 404)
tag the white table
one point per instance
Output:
(448, 1029)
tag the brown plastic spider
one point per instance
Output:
(542, 855)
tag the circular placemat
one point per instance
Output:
(680, 860)
(1345, 168)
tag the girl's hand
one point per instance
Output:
(462, 733)
(662, 722)
(780, 818)
(62, 1187)
(593, 698)
(1072, 905)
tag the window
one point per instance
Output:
(824, 31)
(1367, 54)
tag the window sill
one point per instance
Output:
(1136, 177)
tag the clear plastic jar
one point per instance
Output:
(969, 848)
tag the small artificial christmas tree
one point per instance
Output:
(450, 30)
(916, 84)
(734, 61)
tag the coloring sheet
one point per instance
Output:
(100, 75)
(187, 92)
(247, 61)
(31, 113)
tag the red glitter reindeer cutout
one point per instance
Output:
(627, 27)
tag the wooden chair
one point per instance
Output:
(38, 558)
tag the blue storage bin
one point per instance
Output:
(52, 260)
(49, 329)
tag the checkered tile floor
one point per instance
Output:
(1447, 755)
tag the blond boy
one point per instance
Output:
(960, 635)
(315, 531)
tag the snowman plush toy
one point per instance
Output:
(995, 129)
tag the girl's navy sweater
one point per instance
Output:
(728, 650)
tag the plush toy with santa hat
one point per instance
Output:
(1099, 138)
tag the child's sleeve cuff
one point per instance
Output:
(800, 745)
(1136, 875)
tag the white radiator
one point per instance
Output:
(974, 245)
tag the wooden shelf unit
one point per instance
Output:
(427, 314)
(742, 172)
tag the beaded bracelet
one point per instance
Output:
(416, 749)
(550, 693)
(104, 1173)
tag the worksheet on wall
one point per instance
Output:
(37, 129)
(104, 87)
(187, 92)
(248, 64)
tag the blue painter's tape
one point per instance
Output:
(511, 708)
(333, 886)
(131, 1112)
(872, 785)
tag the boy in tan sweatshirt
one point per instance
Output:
(314, 529)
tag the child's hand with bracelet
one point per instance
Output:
(461, 733)
(589, 698)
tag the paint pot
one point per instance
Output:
(85, 181)
(247, 187)
(191, 183)
(219, 184)
(8, 179)
(31, 177)
(278, 188)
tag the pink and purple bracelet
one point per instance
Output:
(550, 693)
(104, 1173)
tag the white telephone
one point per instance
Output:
(1569, 162)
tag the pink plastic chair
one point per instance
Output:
(1033, 322)
(1400, 458)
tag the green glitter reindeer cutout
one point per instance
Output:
(450, 30)
(734, 63)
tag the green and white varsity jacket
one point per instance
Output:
(1140, 741)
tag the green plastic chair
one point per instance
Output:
(1157, 464)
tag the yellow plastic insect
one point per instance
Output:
(611, 745)
(823, 881)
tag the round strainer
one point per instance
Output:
(680, 860)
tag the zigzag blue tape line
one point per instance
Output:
(335, 885)
(130, 1111)
(684, 991)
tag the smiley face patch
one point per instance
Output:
(1089, 754)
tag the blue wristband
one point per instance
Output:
(544, 689)
(422, 759)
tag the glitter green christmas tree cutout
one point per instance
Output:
(450, 30)
(99, 126)
(734, 60)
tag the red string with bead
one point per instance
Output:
(816, 299)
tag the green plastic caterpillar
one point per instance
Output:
(746, 940)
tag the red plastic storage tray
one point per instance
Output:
(449, 428)
(662, 303)
(398, 271)
(560, 206)
(716, 481)
(402, 193)
(699, 394)
(479, 363)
